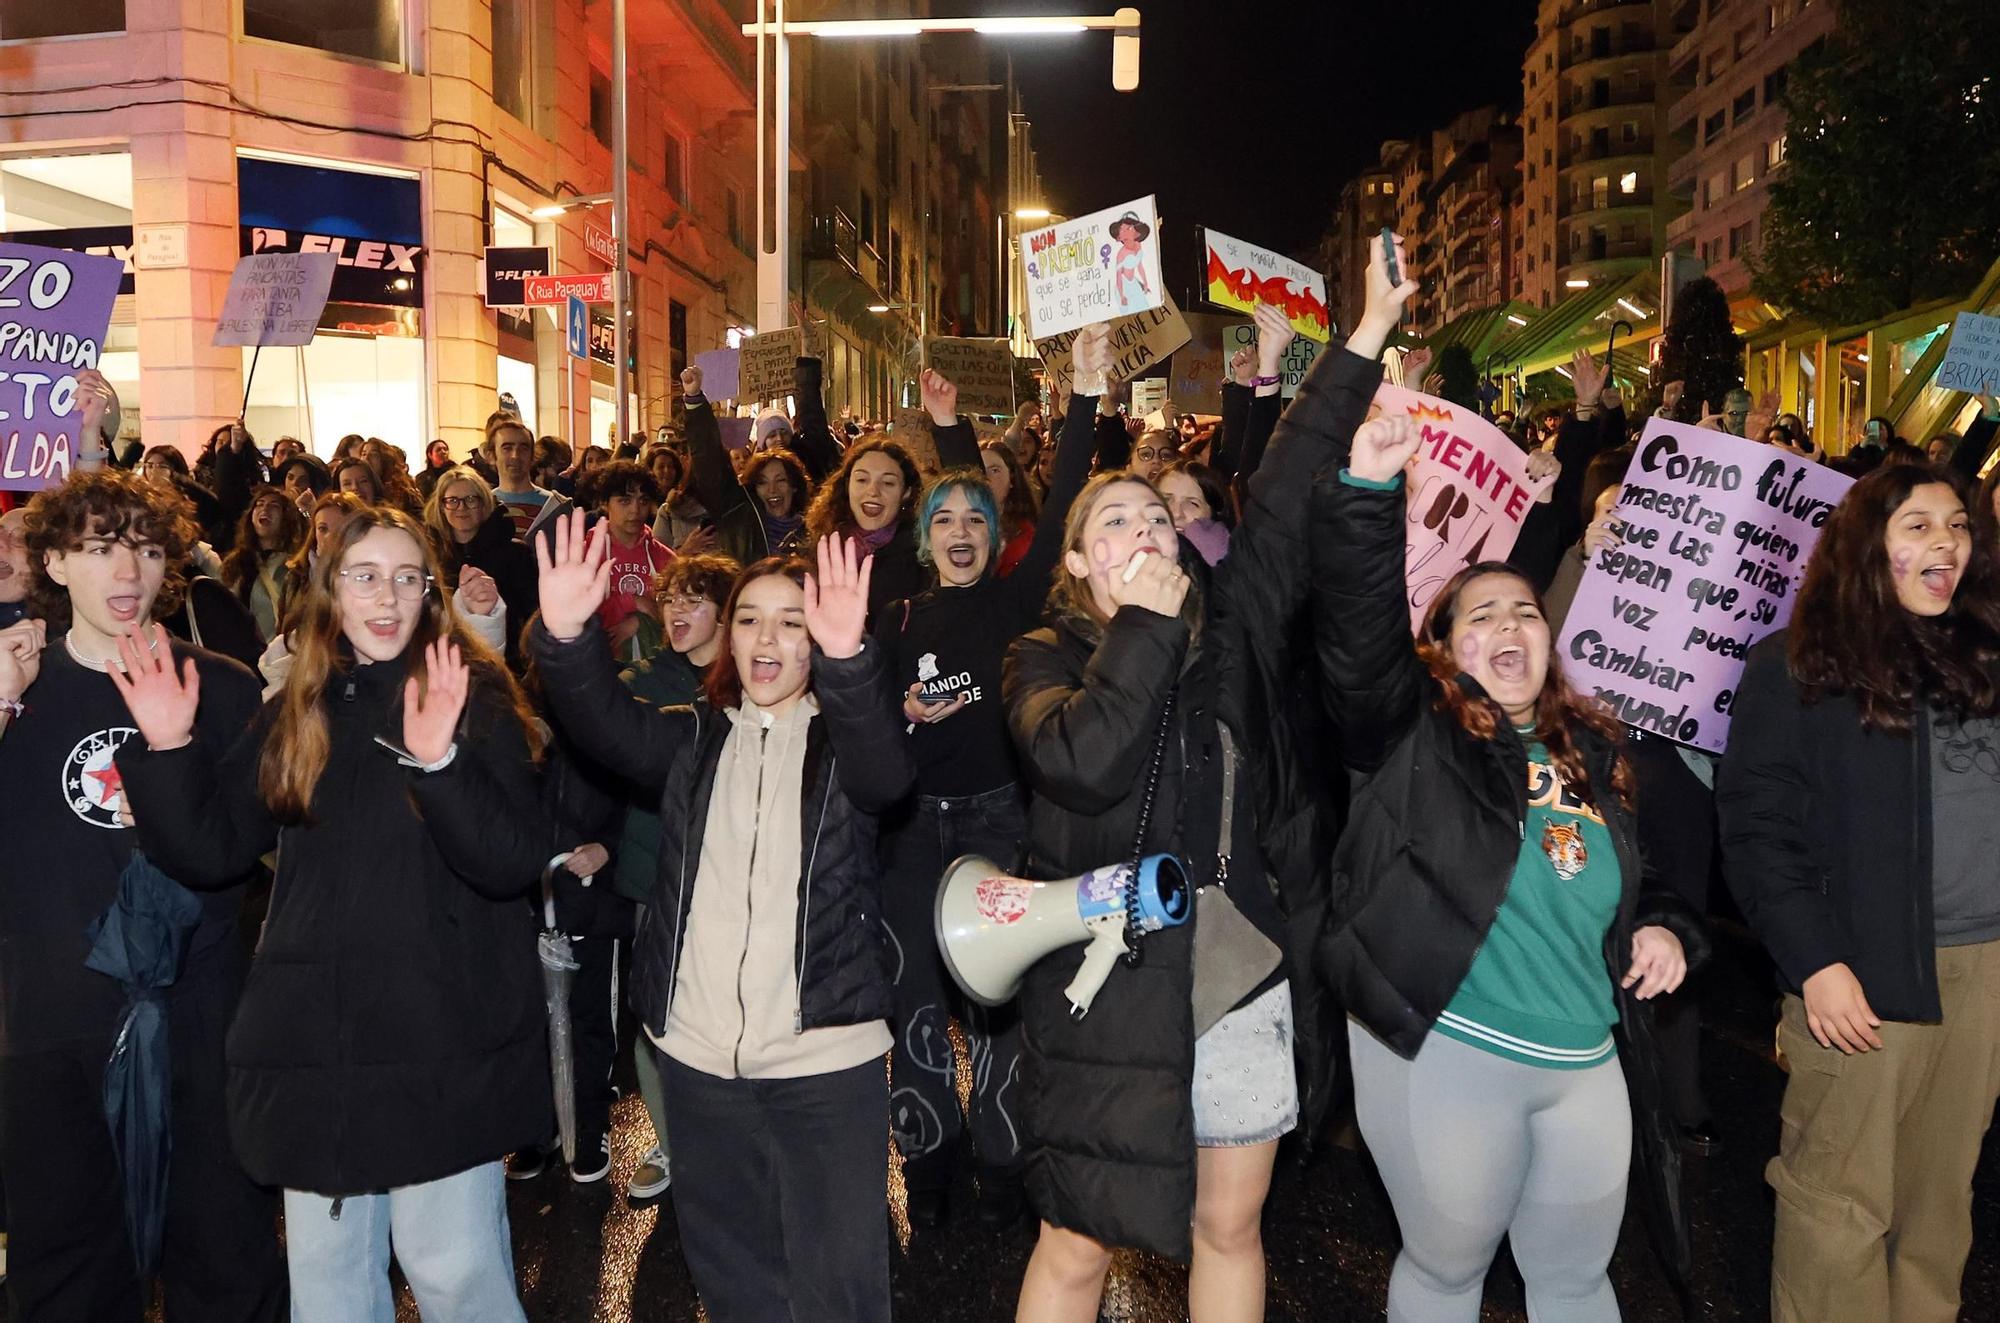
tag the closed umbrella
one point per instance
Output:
(558, 973)
(141, 941)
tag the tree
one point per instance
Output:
(1891, 190)
(1701, 348)
(1458, 377)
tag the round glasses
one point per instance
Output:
(408, 585)
(685, 602)
(460, 502)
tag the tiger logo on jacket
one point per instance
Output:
(1563, 843)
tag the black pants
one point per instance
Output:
(593, 1014)
(923, 1106)
(68, 1256)
(781, 1193)
(1677, 834)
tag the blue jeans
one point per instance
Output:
(450, 1235)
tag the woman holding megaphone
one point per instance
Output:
(1490, 933)
(1134, 711)
(760, 972)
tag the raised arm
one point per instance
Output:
(716, 485)
(1028, 585)
(813, 440)
(600, 716)
(957, 444)
(856, 693)
(1371, 678)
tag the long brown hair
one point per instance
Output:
(246, 558)
(1558, 710)
(830, 512)
(1070, 597)
(723, 684)
(296, 751)
(1021, 508)
(1851, 635)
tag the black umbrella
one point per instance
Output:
(142, 941)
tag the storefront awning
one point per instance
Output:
(1480, 330)
(1583, 321)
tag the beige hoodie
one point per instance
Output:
(736, 997)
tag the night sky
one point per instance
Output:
(1250, 114)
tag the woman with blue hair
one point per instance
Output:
(944, 648)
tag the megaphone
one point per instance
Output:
(992, 927)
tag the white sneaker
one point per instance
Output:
(653, 1176)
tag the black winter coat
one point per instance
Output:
(1107, 1112)
(1435, 827)
(739, 528)
(1826, 838)
(857, 766)
(391, 1031)
(511, 564)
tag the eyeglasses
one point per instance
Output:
(408, 585)
(1146, 454)
(459, 502)
(685, 602)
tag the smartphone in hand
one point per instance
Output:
(1389, 257)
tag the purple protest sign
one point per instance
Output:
(1468, 492)
(1717, 534)
(55, 306)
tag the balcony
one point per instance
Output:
(1613, 201)
(834, 238)
(1607, 251)
(1683, 172)
(1592, 153)
(1618, 48)
(1583, 101)
(1590, 8)
(1687, 48)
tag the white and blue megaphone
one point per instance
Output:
(992, 927)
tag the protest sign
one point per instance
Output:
(764, 365)
(1468, 492)
(1194, 380)
(719, 373)
(1292, 369)
(54, 309)
(1137, 343)
(1972, 359)
(1717, 532)
(1148, 394)
(1242, 275)
(983, 371)
(911, 429)
(1092, 268)
(275, 299)
(735, 432)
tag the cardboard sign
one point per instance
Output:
(1292, 369)
(1468, 492)
(1242, 275)
(719, 373)
(54, 309)
(507, 270)
(1194, 380)
(1137, 343)
(1717, 534)
(983, 371)
(911, 429)
(1972, 359)
(764, 365)
(275, 299)
(1092, 268)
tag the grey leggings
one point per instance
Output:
(1473, 1147)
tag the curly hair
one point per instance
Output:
(114, 504)
(618, 477)
(795, 469)
(710, 574)
(1559, 710)
(240, 566)
(1851, 635)
(830, 510)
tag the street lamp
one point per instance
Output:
(774, 74)
(556, 210)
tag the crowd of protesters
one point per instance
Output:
(722, 720)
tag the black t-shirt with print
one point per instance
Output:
(65, 849)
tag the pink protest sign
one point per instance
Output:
(1717, 534)
(55, 306)
(1468, 492)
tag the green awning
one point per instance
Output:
(1583, 321)
(1478, 330)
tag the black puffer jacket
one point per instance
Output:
(392, 1029)
(857, 766)
(1434, 829)
(511, 565)
(1108, 1117)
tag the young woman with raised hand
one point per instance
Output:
(491, 576)
(1151, 677)
(872, 499)
(1860, 807)
(761, 972)
(390, 1046)
(945, 649)
(1490, 935)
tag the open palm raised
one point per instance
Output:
(575, 575)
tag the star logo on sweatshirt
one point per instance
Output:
(91, 785)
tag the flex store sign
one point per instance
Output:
(365, 270)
